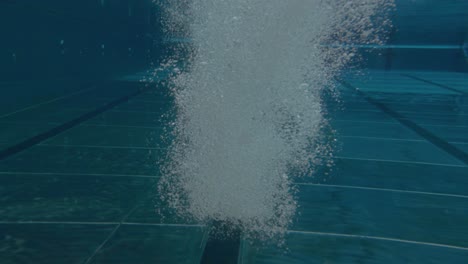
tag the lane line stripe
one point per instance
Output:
(434, 139)
(10, 151)
(433, 83)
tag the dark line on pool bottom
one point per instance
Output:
(434, 83)
(222, 248)
(437, 141)
(10, 151)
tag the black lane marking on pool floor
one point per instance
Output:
(433, 83)
(437, 141)
(10, 151)
(219, 248)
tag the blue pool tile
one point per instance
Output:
(45, 116)
(118, 136)
(453, 120)
(13, 133)
(34, 92)
(155, 105)
(463, 147)
(396, 86)
(441, 109)
(373, 129)
(449, 102)
(393, 175)
(377, 116)
(140, 244)
(151, 209)
(63, 159)
(353, 104)
(417, 217)
(312, 248)
(409, 151)
(52, 197)
(458, 81)
(449, 133)
(50, 243)
(127, 119)
(428, 120)
(438, 115)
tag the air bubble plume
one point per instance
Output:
(249, 110)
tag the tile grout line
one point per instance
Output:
(93, 87)
(90, 258)
(98, 249)
(384, 139)
(168, 225)
(297, 183)
(142, 90)
(120, 126)
(157, 127)
(383, 189)
(354, 101)
(391, 123)
(118, 110)
(432, 138)
(55, 223)
(78, 174)
(425, 114)
(81, 125)
(101, 147)
(433, 83)
(377, 238)
(402, 161)
(95, 223)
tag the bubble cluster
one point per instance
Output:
(249, 112)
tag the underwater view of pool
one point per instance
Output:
(247, 131)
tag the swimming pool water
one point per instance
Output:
(80, 143)
(397, 193)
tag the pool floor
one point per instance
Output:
(78, 173)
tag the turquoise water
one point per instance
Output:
(80, 141)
